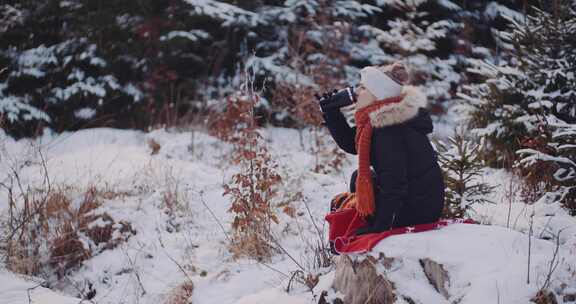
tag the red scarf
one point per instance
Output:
(365, 204)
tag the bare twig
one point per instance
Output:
(174, 260)
(273, 239)
(273, 269)
(497, 293)
(214, 216)
(230, 239)
(45, 168)
(292, 278)
(27, 213)
(79, 290)
(510, 199)
(518, 216)
(11, 203)
(136, 274)
(305, 201)
(553, 263)
(545, 227)
(529, 247)
(28, 292)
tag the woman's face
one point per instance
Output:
(365, 98)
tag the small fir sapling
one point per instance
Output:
(462, 166)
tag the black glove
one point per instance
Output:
(336, 99)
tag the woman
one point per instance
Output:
(398, 181)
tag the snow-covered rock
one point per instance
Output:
(461, 263)
(363, 282)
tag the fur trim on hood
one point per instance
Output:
(397, 113)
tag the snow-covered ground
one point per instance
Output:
(171, 247)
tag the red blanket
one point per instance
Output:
(345, 222)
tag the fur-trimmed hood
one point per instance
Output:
(397, 113)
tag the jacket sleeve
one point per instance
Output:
(391, 182)
(343, 134)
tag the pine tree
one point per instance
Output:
(529, 101)
(79, 63)
(550, 60)
(168, 57)
(52, 76)
(531, 85)
(462, 166)
(560, 155)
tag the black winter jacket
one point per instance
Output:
(408, 183)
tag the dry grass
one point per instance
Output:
(56, 234)
(171, 200)
(154, 146)
(252, 245)
(545, 297)
(181, 294)
(174, 201)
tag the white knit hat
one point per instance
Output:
(384, 82)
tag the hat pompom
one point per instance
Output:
(397, 71)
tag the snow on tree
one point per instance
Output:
(313, 46)
(175, 55)
(561, 155)
(229, 14)
(9, 16)
(62, 78)
(527, 106)
(531, 85)
(309, 33)
(415, 36)
(111, 63)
